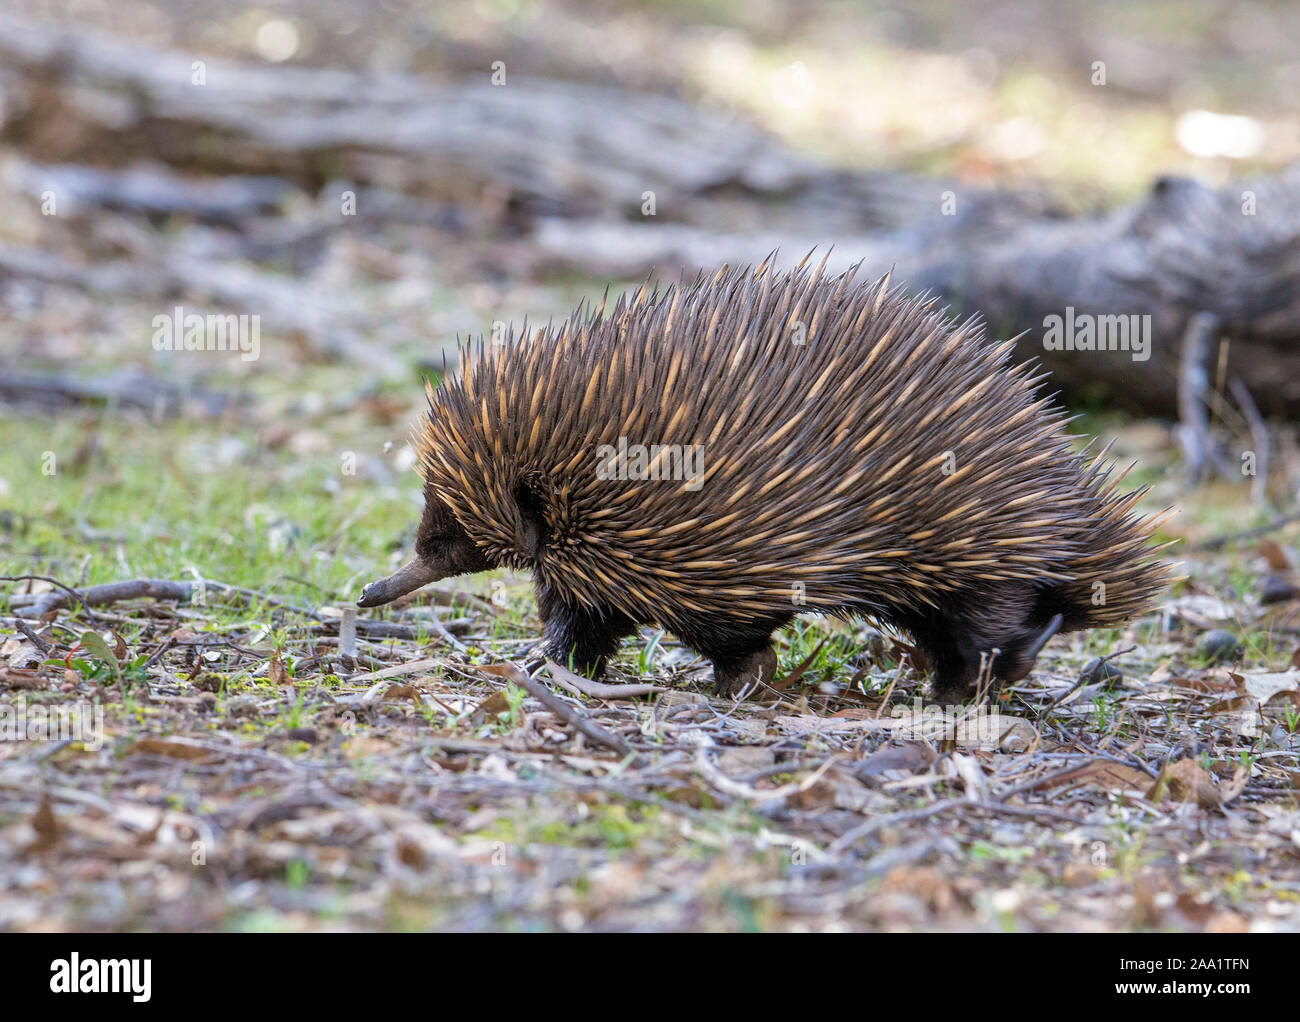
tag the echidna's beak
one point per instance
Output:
(406, 579)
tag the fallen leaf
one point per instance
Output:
(834, 789)
(923, 882)
(744, 759)
(1264, 686)
(788, 682)
(895, 761)
(1108, 776)
(18, 677)
(49, 832)
(23, 655)
(363, 746)
(1272, 552)
(1201, 610)
(1186, 781)
(487, 710)
(1255, 688)
(173, 748)
(94, 642)
(508, 671)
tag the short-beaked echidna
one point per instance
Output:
(718, 457)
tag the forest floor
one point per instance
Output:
(238, 771)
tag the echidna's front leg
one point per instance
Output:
(943, 640)
(740, 650)
(580, 638)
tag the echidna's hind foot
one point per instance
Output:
(733, 675)
(580, 638)
(996, 639)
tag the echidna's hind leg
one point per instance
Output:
(580, 638)
(998, 635)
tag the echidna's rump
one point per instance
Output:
(719, 457)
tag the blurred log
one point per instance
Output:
(284, 304)
(155, 190)
(569, 164)
(79, 97)
(130, 388)
(1182, 251)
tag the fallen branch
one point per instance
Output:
(572, 715)
(37, 604)
(60, 598)
(127, 388)
(1219, 542)
(595, 689)
(846, 840)
(32, 637)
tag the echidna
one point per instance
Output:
(718, 457)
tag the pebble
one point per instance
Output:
(1219, 647)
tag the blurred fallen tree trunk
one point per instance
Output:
(568, 170)
(80, 97)
(130, 388)
(287, 305)
(1184, 251)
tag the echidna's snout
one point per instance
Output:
(406, 579)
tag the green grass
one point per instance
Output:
(151, 505)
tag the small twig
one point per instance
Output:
(1063, 774)
(597, 690)
(571, 714)
(32, 637)
(446, 636)
(739, 789)
(55, 582)
(159, 654)
(410, 667)
(849, 838)
(1081, 681)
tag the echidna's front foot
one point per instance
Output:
(950, 692)
(733, 676)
